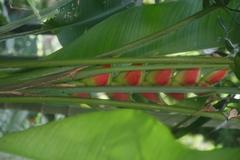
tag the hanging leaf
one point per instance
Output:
(122, 134)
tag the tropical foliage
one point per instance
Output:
(131, 79)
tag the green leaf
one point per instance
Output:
(121, 134)
(138, 22)
(81, 10)
(46, 12)
(195, 102)
(33, 6)
(19, 4)
(236, 67)
(86, 13)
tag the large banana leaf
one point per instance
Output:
(135, 23)
(122, 134)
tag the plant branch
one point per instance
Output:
(46, 109)
(130, 89)
(35, 82)
(125, 105)
(24, 77)
(163, 60)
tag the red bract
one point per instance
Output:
(214, 77)
(161, 77)
(187, 77)
(101, 80)
(153, 97)
(120, 96)
(133, 78)
(81, 95)
(98, 80)
(177, 96)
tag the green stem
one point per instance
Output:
(157, 35)
(127, 105)
(131, 89)
(163, 60)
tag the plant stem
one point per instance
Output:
(46, 109)
(131, 89)
(40, 81)
(126, 105)
(22, 76)
(163, 60)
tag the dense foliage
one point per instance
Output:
(132, 79)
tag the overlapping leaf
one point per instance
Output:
(85, 14)
(138, 22)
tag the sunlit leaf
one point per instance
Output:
(122, 134)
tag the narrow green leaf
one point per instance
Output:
(122, 134)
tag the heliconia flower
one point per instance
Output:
(132, 78)
(121, 96)
(98, 80)
(177, 96)
(160, 77)
(81, 95)
(188, 77)
(153, 97)
(213, 77)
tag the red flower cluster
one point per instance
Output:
(164, 77)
